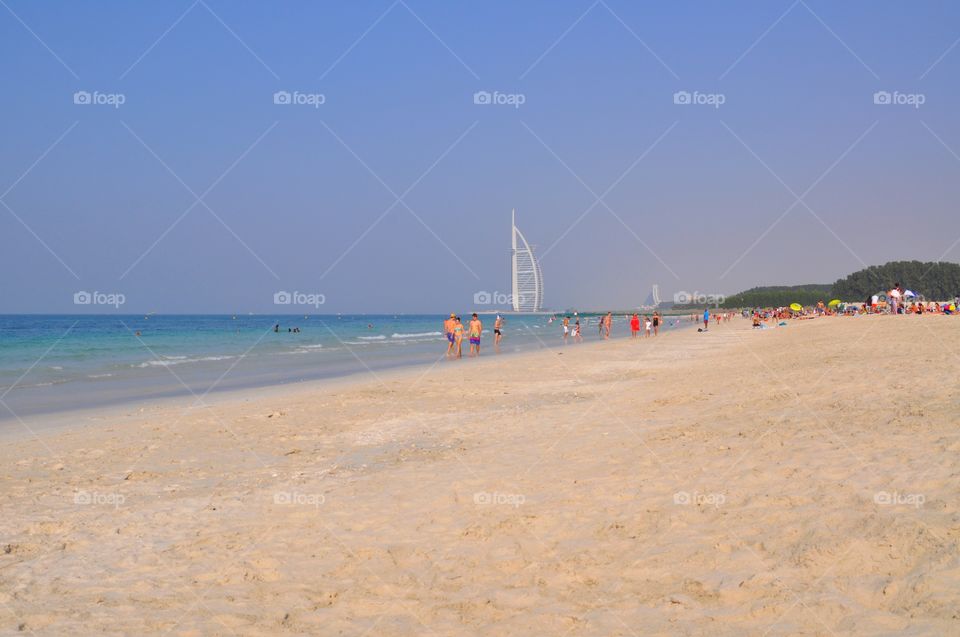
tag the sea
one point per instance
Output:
(58, 363)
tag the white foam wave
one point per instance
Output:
(170, 361)
(415, 335)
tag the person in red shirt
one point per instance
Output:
(635, 325)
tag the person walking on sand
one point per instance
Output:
(647, 324)
(706, 319)
(476, 329)
(497, 331)
(634, 325)
(656, 323)
(448, 326)
(607, 323)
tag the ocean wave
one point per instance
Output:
(170, 361)
(415, 335)
(372, 338)
(99, 375)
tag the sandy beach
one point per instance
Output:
(793, 481)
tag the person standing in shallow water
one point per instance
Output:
(497, 331)
(448, 332)
(458, 336)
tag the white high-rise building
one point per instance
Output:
(527, 278)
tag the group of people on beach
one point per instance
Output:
(651, 324)
(896, 300)
(453, 329)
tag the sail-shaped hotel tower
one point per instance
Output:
(527, 278)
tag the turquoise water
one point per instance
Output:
(52, 363)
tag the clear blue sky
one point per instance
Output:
(705, 208)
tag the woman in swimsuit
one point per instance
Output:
(458, 337)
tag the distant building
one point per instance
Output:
(527, 278)
(653, 299)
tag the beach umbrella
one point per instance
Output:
(834, 302)
(796, 307)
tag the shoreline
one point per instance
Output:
(59, 417)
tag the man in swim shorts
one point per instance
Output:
(448, 331)
(497, 326)
(476, 329)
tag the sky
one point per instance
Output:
(204, 156)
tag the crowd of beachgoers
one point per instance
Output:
(896, 300)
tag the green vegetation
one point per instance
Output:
(934, 281)
(780, 295)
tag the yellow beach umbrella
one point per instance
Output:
(796, 307)
(834, 302)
